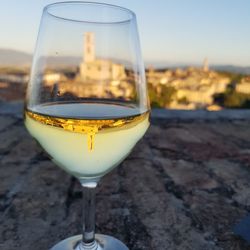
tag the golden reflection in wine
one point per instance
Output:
(88, 126)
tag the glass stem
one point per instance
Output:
(88, 228)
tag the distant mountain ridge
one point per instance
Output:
(16, 58)
(227, 68)
(232, 68)
(9, 57)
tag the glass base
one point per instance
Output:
(104, 242)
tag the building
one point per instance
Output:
(194, 87)
(243, 86)
(95, 69)
(205, 65)
(52, 78)
(97, 77)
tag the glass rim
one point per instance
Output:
(111, 6)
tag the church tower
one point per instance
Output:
(205, 65)
(89, 47)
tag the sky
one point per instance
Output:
(171, 31)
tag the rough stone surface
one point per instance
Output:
(185, 186)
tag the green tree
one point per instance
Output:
(232, 99)
(162, 99)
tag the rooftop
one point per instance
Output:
(185, 186)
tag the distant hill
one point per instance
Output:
(10, 57)
(227, 68)
(232, 68)
(17, 58)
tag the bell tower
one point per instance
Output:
(205, 65)
(89, 47)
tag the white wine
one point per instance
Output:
(86, 139)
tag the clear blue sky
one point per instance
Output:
(175, 31)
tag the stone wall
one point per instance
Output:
(185, 186)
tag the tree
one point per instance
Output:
(162, 99)
(232, 99)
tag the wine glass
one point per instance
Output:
(87, 102)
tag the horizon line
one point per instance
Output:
(150, 62)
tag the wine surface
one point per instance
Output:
(86, 139)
